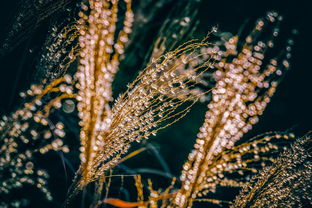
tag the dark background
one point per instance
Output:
(290, 108)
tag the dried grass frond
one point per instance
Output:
(243, 90)
(152, 102)
(29, 131)
(287, 183)
(99, 60)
